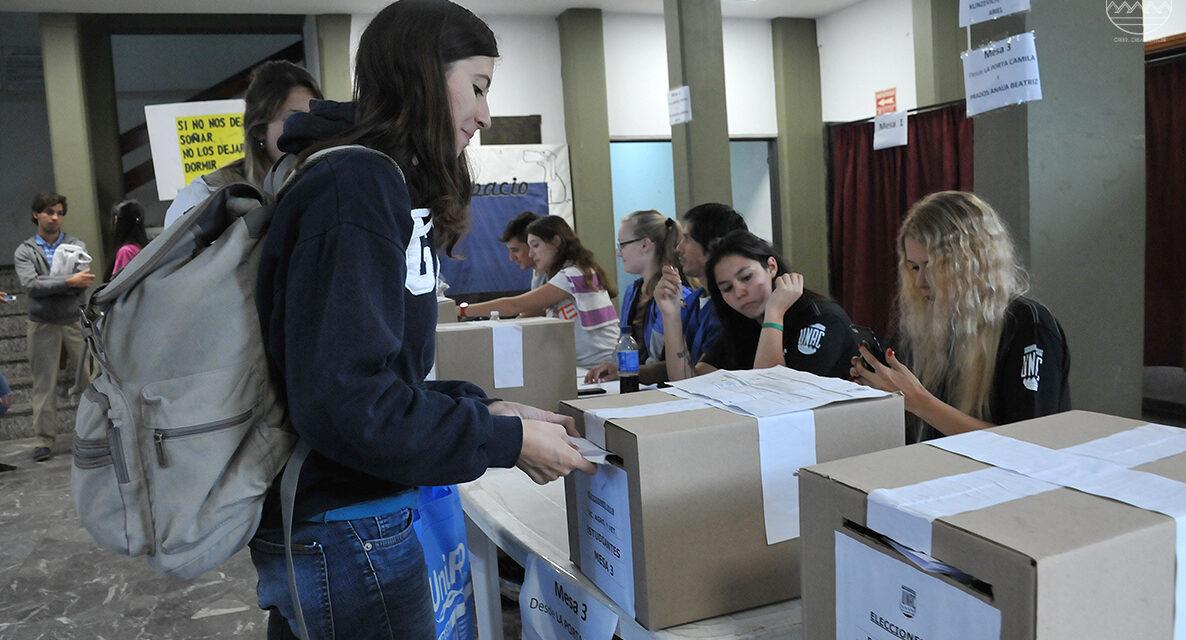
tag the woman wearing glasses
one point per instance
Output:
(577, 290)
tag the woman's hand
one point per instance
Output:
(527, 412)
(787, 290)
(602, 372)
(668, 293)
(893, 378)
(547, 454)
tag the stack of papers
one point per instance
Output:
(770, 392)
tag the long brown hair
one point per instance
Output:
(402, 102)
(271, 82)
(570, 251)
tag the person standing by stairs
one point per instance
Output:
(53, 312)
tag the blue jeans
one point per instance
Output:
(358, 579)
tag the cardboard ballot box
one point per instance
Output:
(446, 310)
(1013, 554)
(532, 360)
(679, 532)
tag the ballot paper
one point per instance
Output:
(770, 392)
(590, 451)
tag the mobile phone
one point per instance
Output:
(589, 391)
(865, 336)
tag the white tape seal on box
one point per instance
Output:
(1098, 468)
(508, 354)
(595, 419)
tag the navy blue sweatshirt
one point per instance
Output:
(347, 302)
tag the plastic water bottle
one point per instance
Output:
(627, 352)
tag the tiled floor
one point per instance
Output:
(57, 584)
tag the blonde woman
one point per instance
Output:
(980, 352)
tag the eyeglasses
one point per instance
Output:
(622, 244)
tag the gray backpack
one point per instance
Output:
(179, 437)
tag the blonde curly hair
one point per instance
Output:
(973, 276)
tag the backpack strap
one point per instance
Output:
(288, 487)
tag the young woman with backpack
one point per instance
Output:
(347, 300)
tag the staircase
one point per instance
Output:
(14, 364)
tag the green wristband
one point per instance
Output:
(772, 325)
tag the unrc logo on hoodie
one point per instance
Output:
(1031, 365)
(448, 584)
(810, 338)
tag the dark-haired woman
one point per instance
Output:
(768, 318)
(127, 218)
(278, 89)
(577, 289)
(347, 301)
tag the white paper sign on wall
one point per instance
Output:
(889, 130)
(191, 139)
(977, 11)
(1002, 73)
(883, 598)
(554, 607)
(679, 105)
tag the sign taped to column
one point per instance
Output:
(977, 11)
(191, 139)
(1001, 73)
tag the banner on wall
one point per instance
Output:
(191, 139)
(507, 180)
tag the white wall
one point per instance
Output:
(637, 83)
(862, 49)
(527, 76)
(1174, 25)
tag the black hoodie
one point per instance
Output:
(347, 301)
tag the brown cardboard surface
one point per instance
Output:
(1062, 564)
(697, 518)
(465, 351)
(446, 311)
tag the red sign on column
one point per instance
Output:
(887, 100)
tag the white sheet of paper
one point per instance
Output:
(508, 355)
(590, 451)
(889, 130)
(786, 443)
(679, 105)
(554, 607)
(603, 516)
(769, 392)
(977, 11)
(1001, 73)
(879, 597)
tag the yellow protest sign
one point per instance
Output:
(208, 142)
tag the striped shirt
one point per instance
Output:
(47, 248)
(589, 305)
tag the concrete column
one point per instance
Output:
(802, 182)
(69, 131)
(586, 126)
(333, 55)
(938, 41)
(1068, 174)
(695, 57)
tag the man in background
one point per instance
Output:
(54, 302)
